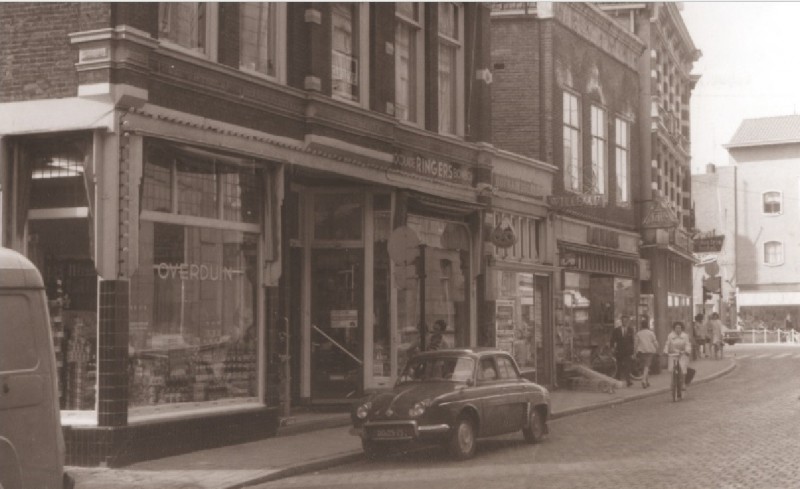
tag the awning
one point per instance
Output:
(768, 298)
(54, 115)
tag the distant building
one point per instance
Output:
(766, 157)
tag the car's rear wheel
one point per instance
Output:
(536, 429)
(374, 450)
(462, 439)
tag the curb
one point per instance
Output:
(302, 468)
(300, 428)
(636, 397)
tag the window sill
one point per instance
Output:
(163, 412)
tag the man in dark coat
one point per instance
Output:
(622, 346)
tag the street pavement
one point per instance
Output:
(328, 445)
(740, 431)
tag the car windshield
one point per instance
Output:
(437, 369)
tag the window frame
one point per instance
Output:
(565, 127)
(458, 43)
(418, 27)
(598, 133)
(622, 200)
(362, 57)
(781, 257)
(764, 202)
(280, 45)
(211, 32)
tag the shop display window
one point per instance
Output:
(519, 315)
(381, 300)
(193, 328)
(446, 248)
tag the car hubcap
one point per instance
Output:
(465, 437)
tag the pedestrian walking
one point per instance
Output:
(622, 346)
(701, 335)
(437, 341)
(715, 328)
(645, 346)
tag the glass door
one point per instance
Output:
(337, 323)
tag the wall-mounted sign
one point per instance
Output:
(576, 200)
(193, 271)
(658, 215)
(708, 244)
(518, 185)
(503, 235)
(433, 168)
(344, 318)
(568, 260)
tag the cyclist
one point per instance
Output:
(678, 343)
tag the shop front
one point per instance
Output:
(359, 311)
(600, 286)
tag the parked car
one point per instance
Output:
(31, 441)
(452, 397)
(732, 336)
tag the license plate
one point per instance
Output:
(392, 432)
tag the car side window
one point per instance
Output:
(487, 370)
(506, 369)
(17, 343)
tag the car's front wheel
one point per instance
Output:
(374, 450)
(462, 439)
(536, 429)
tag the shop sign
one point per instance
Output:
(708, 244)
(602, 237)
(433, 168)
(568, 260)
(518, 186)
(659, 215)
(503, 235)
(344, 318)
(193, 271)
(576, 200)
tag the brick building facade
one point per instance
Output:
(210, 191)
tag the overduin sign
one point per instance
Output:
(658, 215)
(576, 200)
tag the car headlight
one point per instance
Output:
(363, 410)
(419, 408)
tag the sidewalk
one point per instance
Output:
(297, 450)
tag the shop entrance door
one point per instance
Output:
(337, 324)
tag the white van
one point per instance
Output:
(31, 441)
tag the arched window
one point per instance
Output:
(772, 202)
(773, 253)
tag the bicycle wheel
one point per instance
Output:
(675, 382)
(636, 370)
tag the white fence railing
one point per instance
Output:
(770, 336)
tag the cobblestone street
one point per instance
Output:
(740, 431)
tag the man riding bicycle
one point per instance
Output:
(678, 343)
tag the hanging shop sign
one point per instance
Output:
(433, 168)
(576, 200)
(503, 235)
(658, 215)
(708, 244)
(403, 245)
(568, 260)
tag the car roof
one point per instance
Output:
(473, 352)
(18, 272)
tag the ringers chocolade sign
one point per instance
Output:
(433, 168)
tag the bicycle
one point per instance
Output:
(676, 386)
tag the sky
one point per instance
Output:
(747, 69)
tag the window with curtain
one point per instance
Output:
(572, 143)
(258, 37)
(449, 46)
(188, 25)
(408, 37)
(345, 55)
(599, 145)
(772, 202)
(622, 153)
(773, 253)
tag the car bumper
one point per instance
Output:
(399, 431)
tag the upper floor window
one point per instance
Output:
(599, 148)
(408, 61)
(191, 26)
(261, 38)
(451, 62)
(773, 253)
(572, 143)
(349, 51)
(772, 202)
(622, 153)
